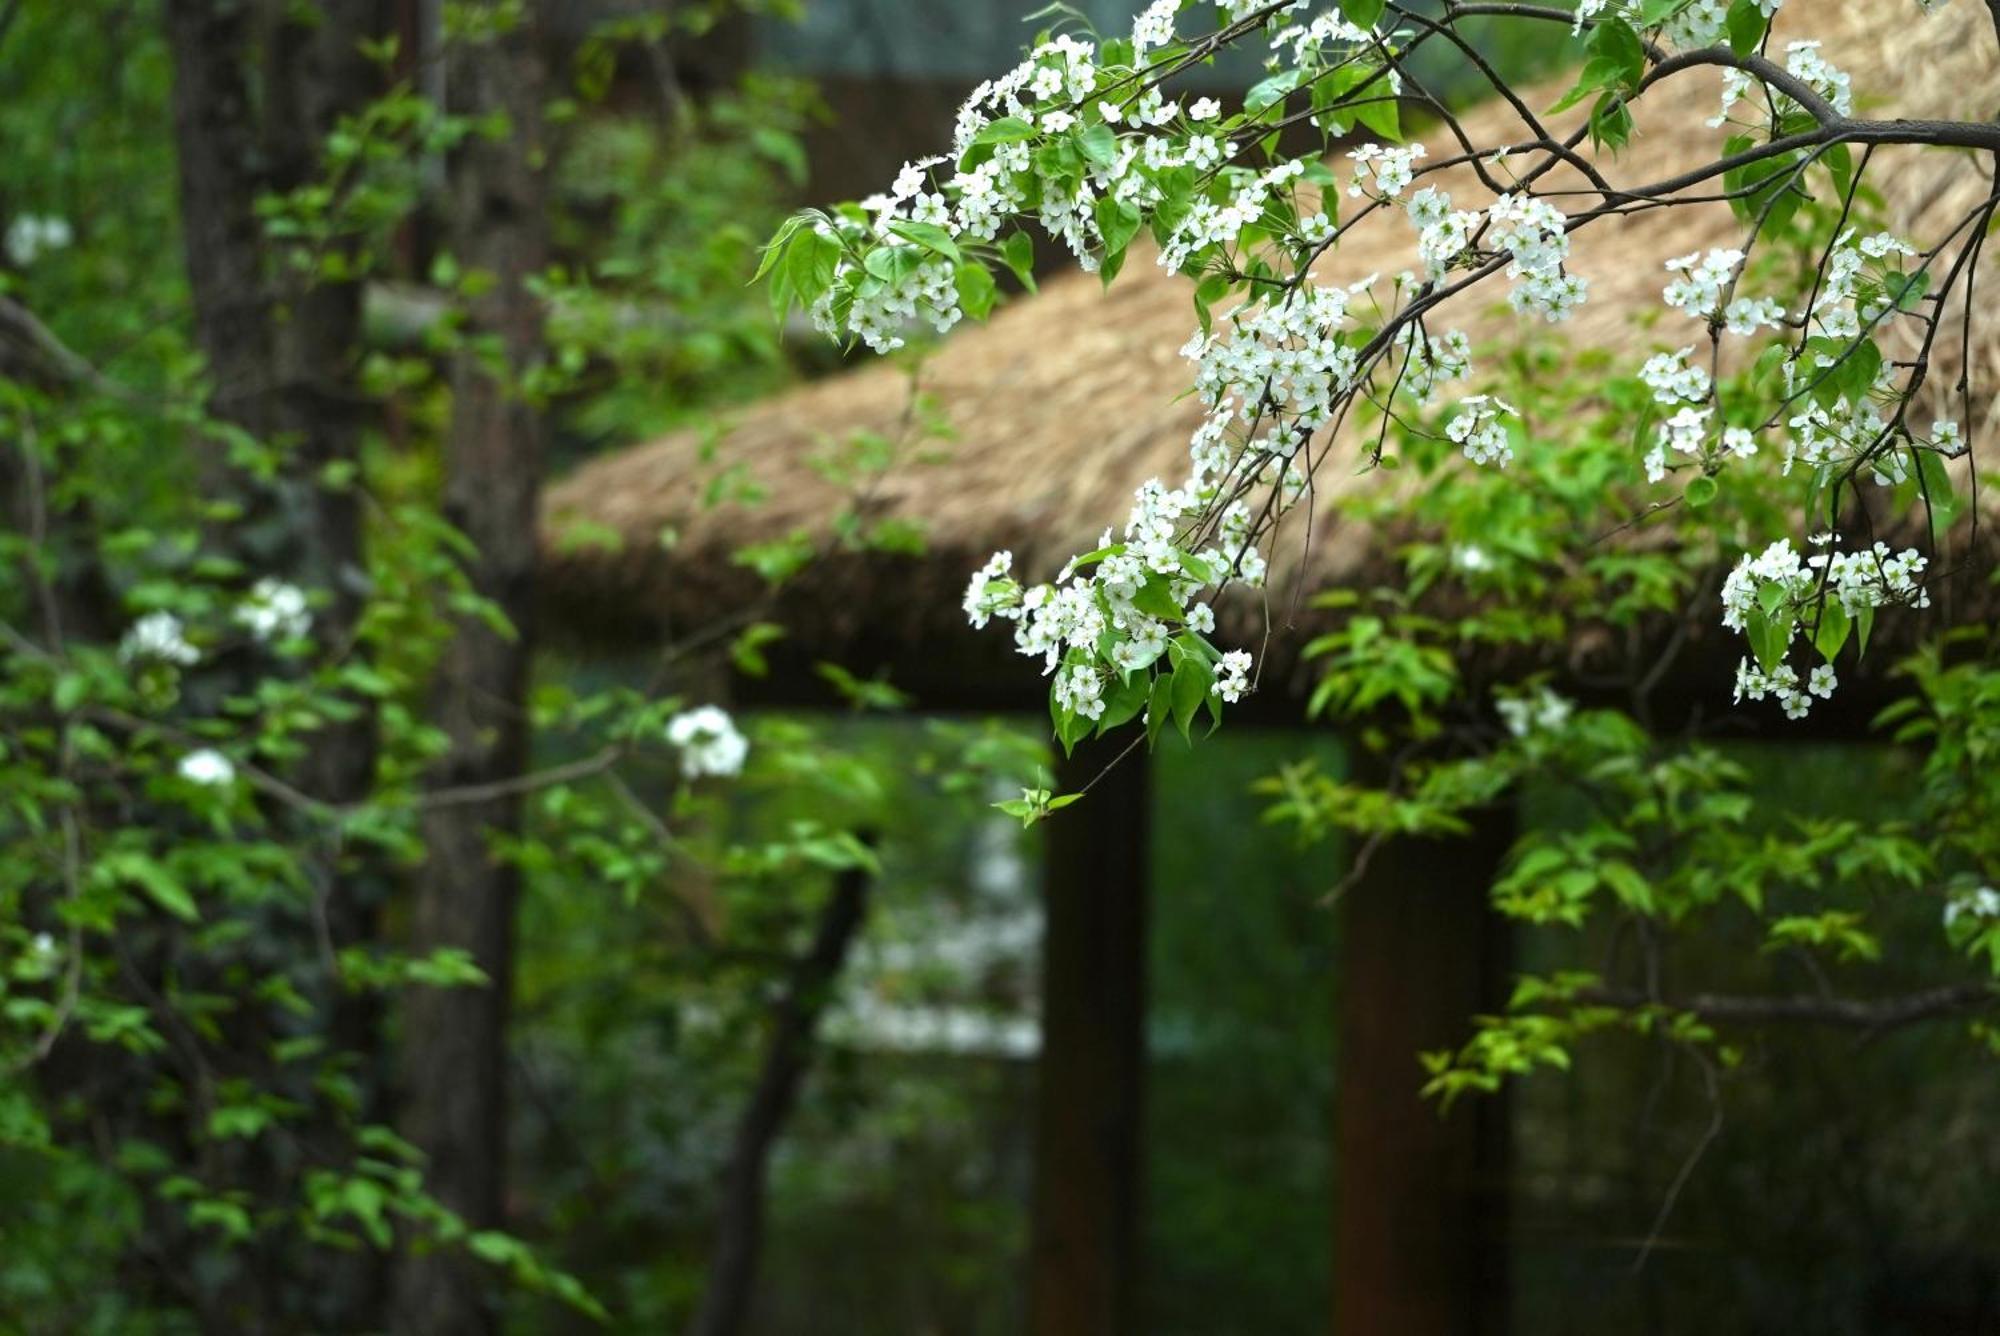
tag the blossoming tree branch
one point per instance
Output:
(1299, 364)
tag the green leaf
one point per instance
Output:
(149, 875)
(1615, 41)
(1269, 92)
(1209, 291)
(1367, 13)
(1100, 145)
(1117, 220)
(1124, 700)
(810, 262)
(1071, 729)
(1006, 130)
(1017, 252)
(1700, 491)
(747, 650)
(1598, 72)
(1191, 684)
(928, 235)
(1160, 708)
(1156, 599)
(1610, 122)
(71, 689)
(774, 249)
(1906, 290)
(1839, 161)
(976, 289)
(1746, 27)
(1831, 633)
(1381, 114)
(893, 264)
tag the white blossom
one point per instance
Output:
(1479, 432)
(274, 610)
(1232, 677)
(709, 742)
(158, 636)
(1980, 903)
(1544, 711)
(29, 235)
(207, 767)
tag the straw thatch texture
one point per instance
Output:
(1067, 400)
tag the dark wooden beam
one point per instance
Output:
(1418, 1248)
(1084, 1261)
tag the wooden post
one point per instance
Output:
(1085, 1236)
(1422, 1196)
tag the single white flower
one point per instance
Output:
(709, 742)
(158, 635)
(207, 767)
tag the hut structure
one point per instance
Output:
(1058, 408)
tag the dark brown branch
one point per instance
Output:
(31, 352)
(732, 1269)
(1813, 1009)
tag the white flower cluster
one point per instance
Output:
(1534, 232)
(1704, 278)
(1154, 27)
(1867, 579)
(1836, 312)
(1703, 281)
(1210, 224)
(1308, 42)
(29, 235)
(708, 742)
(1232, 679)
(1782, 684)
(1586, 10)
(159, 637)
(1981, 902)
(1804, 63)
(1531, 231)
(1822, 436)
(1544, 711)
(1384, 172)
(1479, 432)
(1432, 360)
(1282, 365)
(1686, 433)
(1705, 23)
(274, 610)
(1673, 380)
(1855, 582)
(1442, 232)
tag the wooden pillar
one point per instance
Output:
(1085, 1232)
(1418, 1248)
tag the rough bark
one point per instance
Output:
(258, 85)
(455, 1039)
(1084, 1263)
(739, 1232)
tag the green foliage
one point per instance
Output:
(176, 1017)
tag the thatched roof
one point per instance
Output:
(1066, 401)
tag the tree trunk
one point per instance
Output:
(1084, 1264)
(455, 1039)
(258, 85)
(739, 1231)
(1422, 1194)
